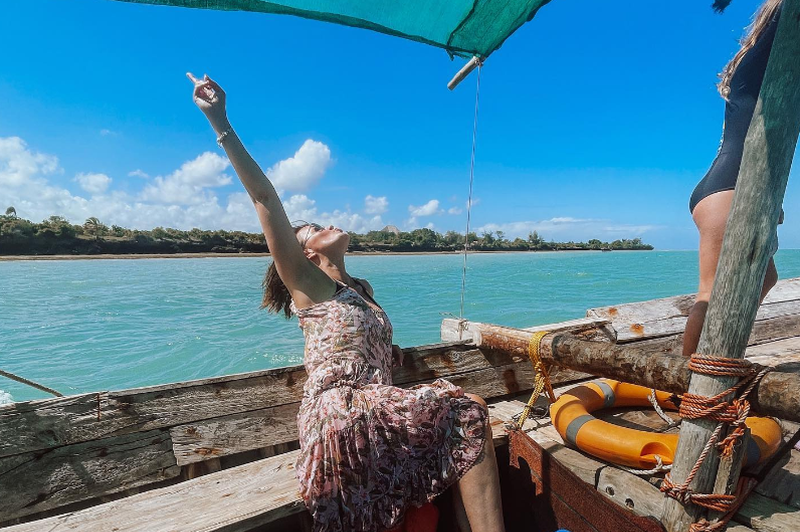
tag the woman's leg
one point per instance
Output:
(710, 215)
(479, 489)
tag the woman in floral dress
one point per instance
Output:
(368, 450)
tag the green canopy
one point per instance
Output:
(462, 27)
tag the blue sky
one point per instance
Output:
(596, 119)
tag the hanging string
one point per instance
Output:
(469, 197)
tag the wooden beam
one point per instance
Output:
(768, 152)
(778, 395)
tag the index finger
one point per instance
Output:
(192, 78)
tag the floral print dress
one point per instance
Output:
(369, 450)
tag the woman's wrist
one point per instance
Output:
(220, 126)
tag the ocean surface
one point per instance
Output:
(89, 325)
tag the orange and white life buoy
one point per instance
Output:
(571, 416)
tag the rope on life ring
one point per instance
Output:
(572, 417)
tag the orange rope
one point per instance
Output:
(726, 413)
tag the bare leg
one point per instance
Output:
(710, 215)
(462, 521)
(479, 489)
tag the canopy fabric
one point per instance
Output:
(462, 27)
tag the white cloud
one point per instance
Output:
(373, 205)
(93, 183)
(569, 228)
(20, 166)
(454, 210)
(429, 209)
(107, 132)
(24, 184)
(138, 173)
(301, 207)
(303, 170)
(182, 199)
(187, 185)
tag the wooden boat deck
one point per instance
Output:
(218, 454)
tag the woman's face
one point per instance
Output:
(323, 240)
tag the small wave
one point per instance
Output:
(5, 398)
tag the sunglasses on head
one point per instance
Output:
(314, 228)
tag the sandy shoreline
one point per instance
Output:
(127, 256)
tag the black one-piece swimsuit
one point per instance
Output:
(745, 86)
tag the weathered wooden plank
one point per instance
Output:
(227, 435)
(775, 328)
(48, 423)
(644, 311)
(222, 436)
(37, 425)
(784, 290)
(782, 483)
(233, 500)
(669, 325)
(624, 315)
(211, 439)
(34, 482)
(766, 515)
(784, 353)
(766, 331)
(631, 492)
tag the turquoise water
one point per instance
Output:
(88, 325)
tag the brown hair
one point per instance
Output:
(761, 20)
(277, 298)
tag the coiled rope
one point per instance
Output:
(541, 378)
(726, 413)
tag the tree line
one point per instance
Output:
(57, 236)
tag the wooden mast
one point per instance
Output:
(768, 152)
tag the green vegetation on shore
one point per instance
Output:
(56, 236)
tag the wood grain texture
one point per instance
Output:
(234, 500)
(35, 482)
(667, 316)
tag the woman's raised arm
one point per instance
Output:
(306, 282)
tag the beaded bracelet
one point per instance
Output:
(223, 135)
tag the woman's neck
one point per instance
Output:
(335, 270)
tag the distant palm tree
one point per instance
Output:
(11, 211)
(93, 225)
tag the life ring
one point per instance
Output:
(572, 418)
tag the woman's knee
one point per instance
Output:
(478, 399)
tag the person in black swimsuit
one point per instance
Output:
(711, 200)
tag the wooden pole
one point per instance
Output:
(768, 152)
(464, 72)
(778, 394)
